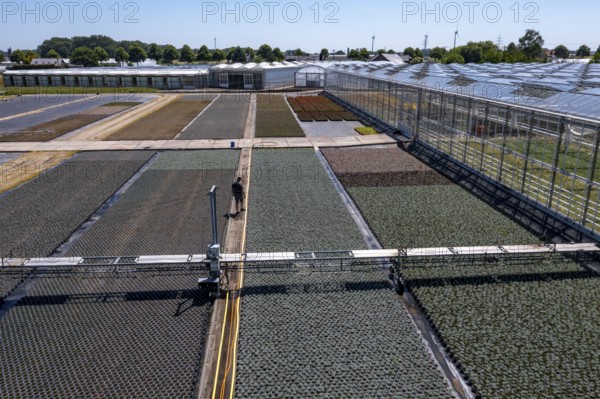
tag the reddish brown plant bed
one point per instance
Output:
(319, 108)
(386, 167)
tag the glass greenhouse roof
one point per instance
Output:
(569, 88)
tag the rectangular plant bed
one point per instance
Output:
(274, 118)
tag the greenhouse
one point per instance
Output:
(312, 75)
(158, 78)
(531, 127)
(254, 76)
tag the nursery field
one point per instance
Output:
(292, 186)
(111, 336)
(332, 335)
(164, 123)
(58, 127)
(516, 327)
(167, 210)
(274, 118)
(320, 335)
(224, 119)
(63, 198)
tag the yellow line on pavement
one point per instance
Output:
(214, 393)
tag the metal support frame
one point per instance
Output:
(504, 139)
(213, 255)
(251, 259)
(591, 177)
(527, 150)
(555, 161)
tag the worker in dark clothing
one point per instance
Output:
(237, 189)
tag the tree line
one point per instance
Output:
(529, 48)
(95, 49)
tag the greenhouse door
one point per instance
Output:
(236, 82)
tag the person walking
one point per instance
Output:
(237, 189)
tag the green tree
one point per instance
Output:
(187, 54)
(416, 60)
(238, 55)
(155, 53)
(265, 51)
(203, 54)
(359, 54)
(583, 51)
(418, 53)
(218, 55)
(531, 44)
(409, 51)
(53, 54)
(229, 53)
(324, 54)
(391, 51)
(61, 45)
(513, 54)
(596, 58)
(298, 52)
(17, 56)
(438, 53)
(250, 53)
(137, 54)
(561, 51)
(29, 56)
(278, 54)
(170, 54)
(121, 55)
(93, 41)
(101, 54)
(84, 56)
(453, 57)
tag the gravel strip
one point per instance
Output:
(40, 215)
(224, 119)
(166, 211)
(131, 336)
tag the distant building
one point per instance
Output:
(56, 62)
(393, 58)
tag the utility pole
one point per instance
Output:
(215, 39)
(425, 49)
(373, 44)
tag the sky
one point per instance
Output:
(309, 25)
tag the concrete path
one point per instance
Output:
(298, 142)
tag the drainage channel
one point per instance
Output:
(23, 289)
(459, 386)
